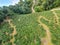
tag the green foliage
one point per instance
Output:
(27, 26)
(4, 12)
(24, 7)
(1, 16)
(47, 4)
(29, 30)
(41, 5)
(39, 8)
(4, 38)
(20, 9)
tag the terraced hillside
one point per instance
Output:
(32, 29)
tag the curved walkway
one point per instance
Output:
(47, 39)
(56, 17)
(14, 31)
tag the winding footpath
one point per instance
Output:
(14, 31)
(56, 17)
(47, 39)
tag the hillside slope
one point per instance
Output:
(32, 29)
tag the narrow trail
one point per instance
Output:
(45, 40)
(14, 31)
(33, 11)
(56, 17)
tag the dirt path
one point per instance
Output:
(32, 8)
(46, 40)
(56, 17)
(14, 31)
